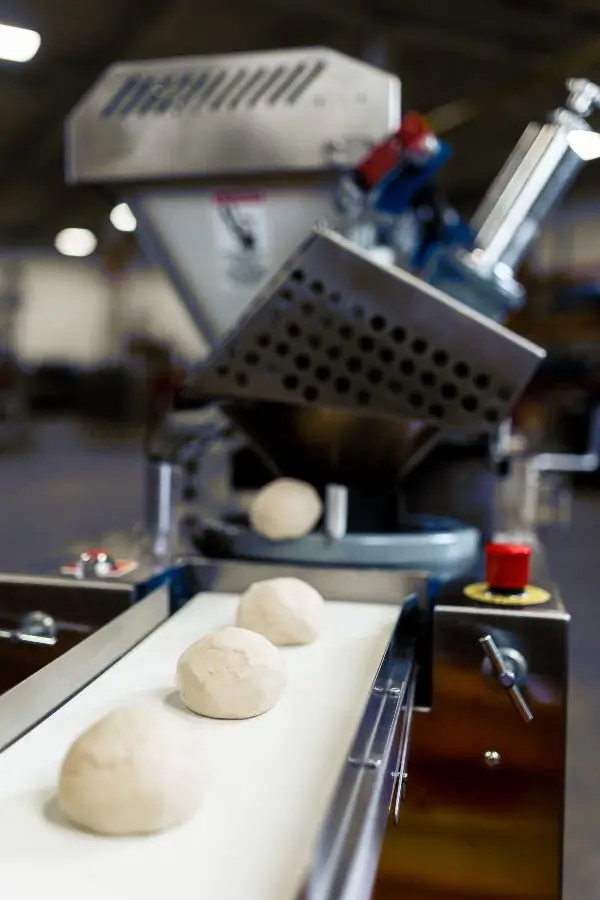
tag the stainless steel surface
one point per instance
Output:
(347, 851)
(342, 583)
(30, 701)
(283, 110)
(336, 511)
(335, 331)
(483, 815)
(508, 672)
(401, 771)
(538, 173)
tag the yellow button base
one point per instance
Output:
(531, 596)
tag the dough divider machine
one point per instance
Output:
(388, 396)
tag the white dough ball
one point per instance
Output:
(233, 674)
(284, 610)
(286, 509)
(135, 771)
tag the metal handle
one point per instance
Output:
(400, 773)
(505, 666)
(34, 628)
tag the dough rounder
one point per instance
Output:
(420, 752)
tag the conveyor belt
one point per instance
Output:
(270, 778)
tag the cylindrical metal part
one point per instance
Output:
(537, 174)
(163, 495)
(336, 511)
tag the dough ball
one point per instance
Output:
(285, 510)
(135, 771)
(233, 674)
(285, 610)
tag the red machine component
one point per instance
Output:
(507, 567)
(411, 142)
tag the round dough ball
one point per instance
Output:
(136, 771)
(284, 610)
(233, 674)
(285, 509)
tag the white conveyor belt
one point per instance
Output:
(270, 777)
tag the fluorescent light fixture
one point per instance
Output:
(75, 242)
(122, 218)
(586, 144)
(18, 44)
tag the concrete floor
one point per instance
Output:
(73, 484)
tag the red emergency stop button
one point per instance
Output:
(507, 568)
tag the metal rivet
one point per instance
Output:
(492, 758)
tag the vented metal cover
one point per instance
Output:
(335, 329)
(290, 110)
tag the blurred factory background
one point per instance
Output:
(94, 339)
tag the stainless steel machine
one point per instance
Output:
(389, 396)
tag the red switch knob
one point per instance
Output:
(507, 567)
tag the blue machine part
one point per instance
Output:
(395, 194)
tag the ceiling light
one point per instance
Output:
(122, 218)
(18, 44)
(586, 144)
(75, 242)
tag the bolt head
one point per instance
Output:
(492, 759)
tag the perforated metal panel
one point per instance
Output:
(336, 329)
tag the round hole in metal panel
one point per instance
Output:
(303, 362)
(436, 410)
(290, 382)
(387, 355)
(307, 308)
(311, 393)
(342, 385)
(282, 349)
(298, 275)
(314, 341)
(440, 358)
(408, 367)
(363, 398)
(395, 386)
(294, 330)
(491, 415)
(429, 379)
(358, 313)
(505, 394)
(323, 373)
(241, 379)
(335, 297)
(251, 359)
(326, 321)
(346, 332)
(378, 323)
(449, 391)
(354, 364)
(419, 346)
(263, 340)
(334, 352)
(366, 344)
(482, 381)
(398, 335)
(462, 370)
(416, 400)
(190, 493)
(375, 376)
(470, 403)
(222, 371)
(317, 287)
(286, 295)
